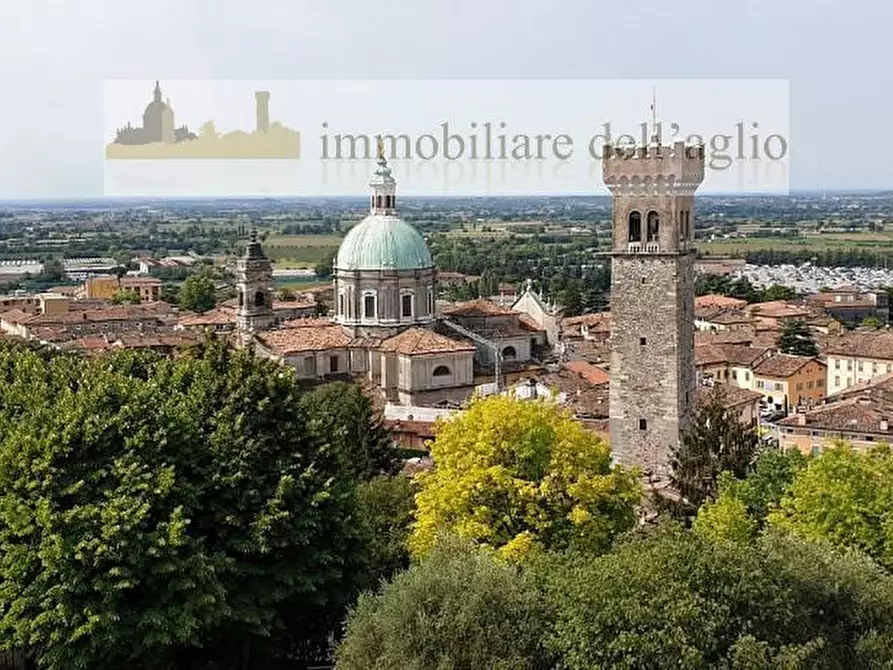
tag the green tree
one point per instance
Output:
(716, 441)
(844, 497)
(385, 507)
(125, 296)
(53, 270)
(323, 269)
(516, 474)
(457, 609)
(797, 339)
(287, 295)
(197, 293)
(211, 531)
(343, 414)
(669, 598)
(871, 322)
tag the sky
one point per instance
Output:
(58, 55)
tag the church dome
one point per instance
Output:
(383, 242)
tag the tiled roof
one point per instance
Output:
(730, 316)
(139, 281)
(781, 366)
(478, 307)
(737, 336)
(776, 309)
(526, 322)
(732, 396)
(591, 373)
(308, 338)
(742, 355)
(857, 415)
(709, 354)
(865, 344)
(212, 317)
(715, 300)
(423, 341)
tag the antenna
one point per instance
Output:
(654, 106)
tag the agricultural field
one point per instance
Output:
(870, 241)
(300, 251)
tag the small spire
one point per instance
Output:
(655, 135)
(157, 92)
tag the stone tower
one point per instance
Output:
(255, 283)
(652, 390)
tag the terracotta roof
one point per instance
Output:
(212, 317)
(591, 373)
(732, 396)
(16, 316)
(526, 321)
(423, 341)
(857, 415)
(743, 355)
(285, 305)
(777, 309)
(308, 322)
(714, 300)
(737, 336)
(729, 317)
(709, 354)
(863, 344)
(780, 366)
(309, 338)
(478, 307)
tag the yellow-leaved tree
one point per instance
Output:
(518, 474)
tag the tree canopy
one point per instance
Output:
(516, 474)
(197, 293)
(162, 513)
(715, 442)
(797, 339)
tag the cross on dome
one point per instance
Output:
(383, 184)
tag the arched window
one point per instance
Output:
(687, 224)
(653, 226)
(635, 227)
(259, 299)
(441, 371)
(340, 304)
(406, 305)
(509, 353)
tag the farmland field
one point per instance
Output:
(868, 241)
(297, 251)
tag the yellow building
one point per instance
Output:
(786, 381)
(101, 287)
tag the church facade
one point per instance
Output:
(385, 329)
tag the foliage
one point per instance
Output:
(516, 475)
(741, 288)
(323, 269)
(197, 293)
(384, 509)
(725, 518)
(458, 609)
(797, 339)
(342, 414)
(844, 497)
(674, 599)
(715, 441)
(287, 295)
(162, 513)
(125, 296)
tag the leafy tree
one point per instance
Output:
(674, 599)
(725, 518)
(844, 497)
(170, 293)
(125, 296)
(716, 441)
(53, 270)
(872, 322)
(459, 609)
(212, 531)
(797, 339)
(384, 507)
(323, 269)
(342, 414)
(287, 295)
(517, 474)
(197, 293)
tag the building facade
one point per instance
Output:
(653, 383)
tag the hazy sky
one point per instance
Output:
(56, 56)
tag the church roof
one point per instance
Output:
(423, 341)
(478, 307)
(307, 338)
(383, 242)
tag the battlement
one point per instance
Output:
(680, 164)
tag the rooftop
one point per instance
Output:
(418, 341)
(781, 366)
(479, 307)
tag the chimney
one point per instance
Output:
(262, 100)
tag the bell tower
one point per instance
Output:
(255, 281)
(652, 389)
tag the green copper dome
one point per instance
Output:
(383, 242)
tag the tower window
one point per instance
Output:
(635, 227)
(509, 353)
(643, 424)
(369, 306)
(406, 304)
(653, 226)
(642, 341)
(441, 371)
(259, 299)
(341, 304)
